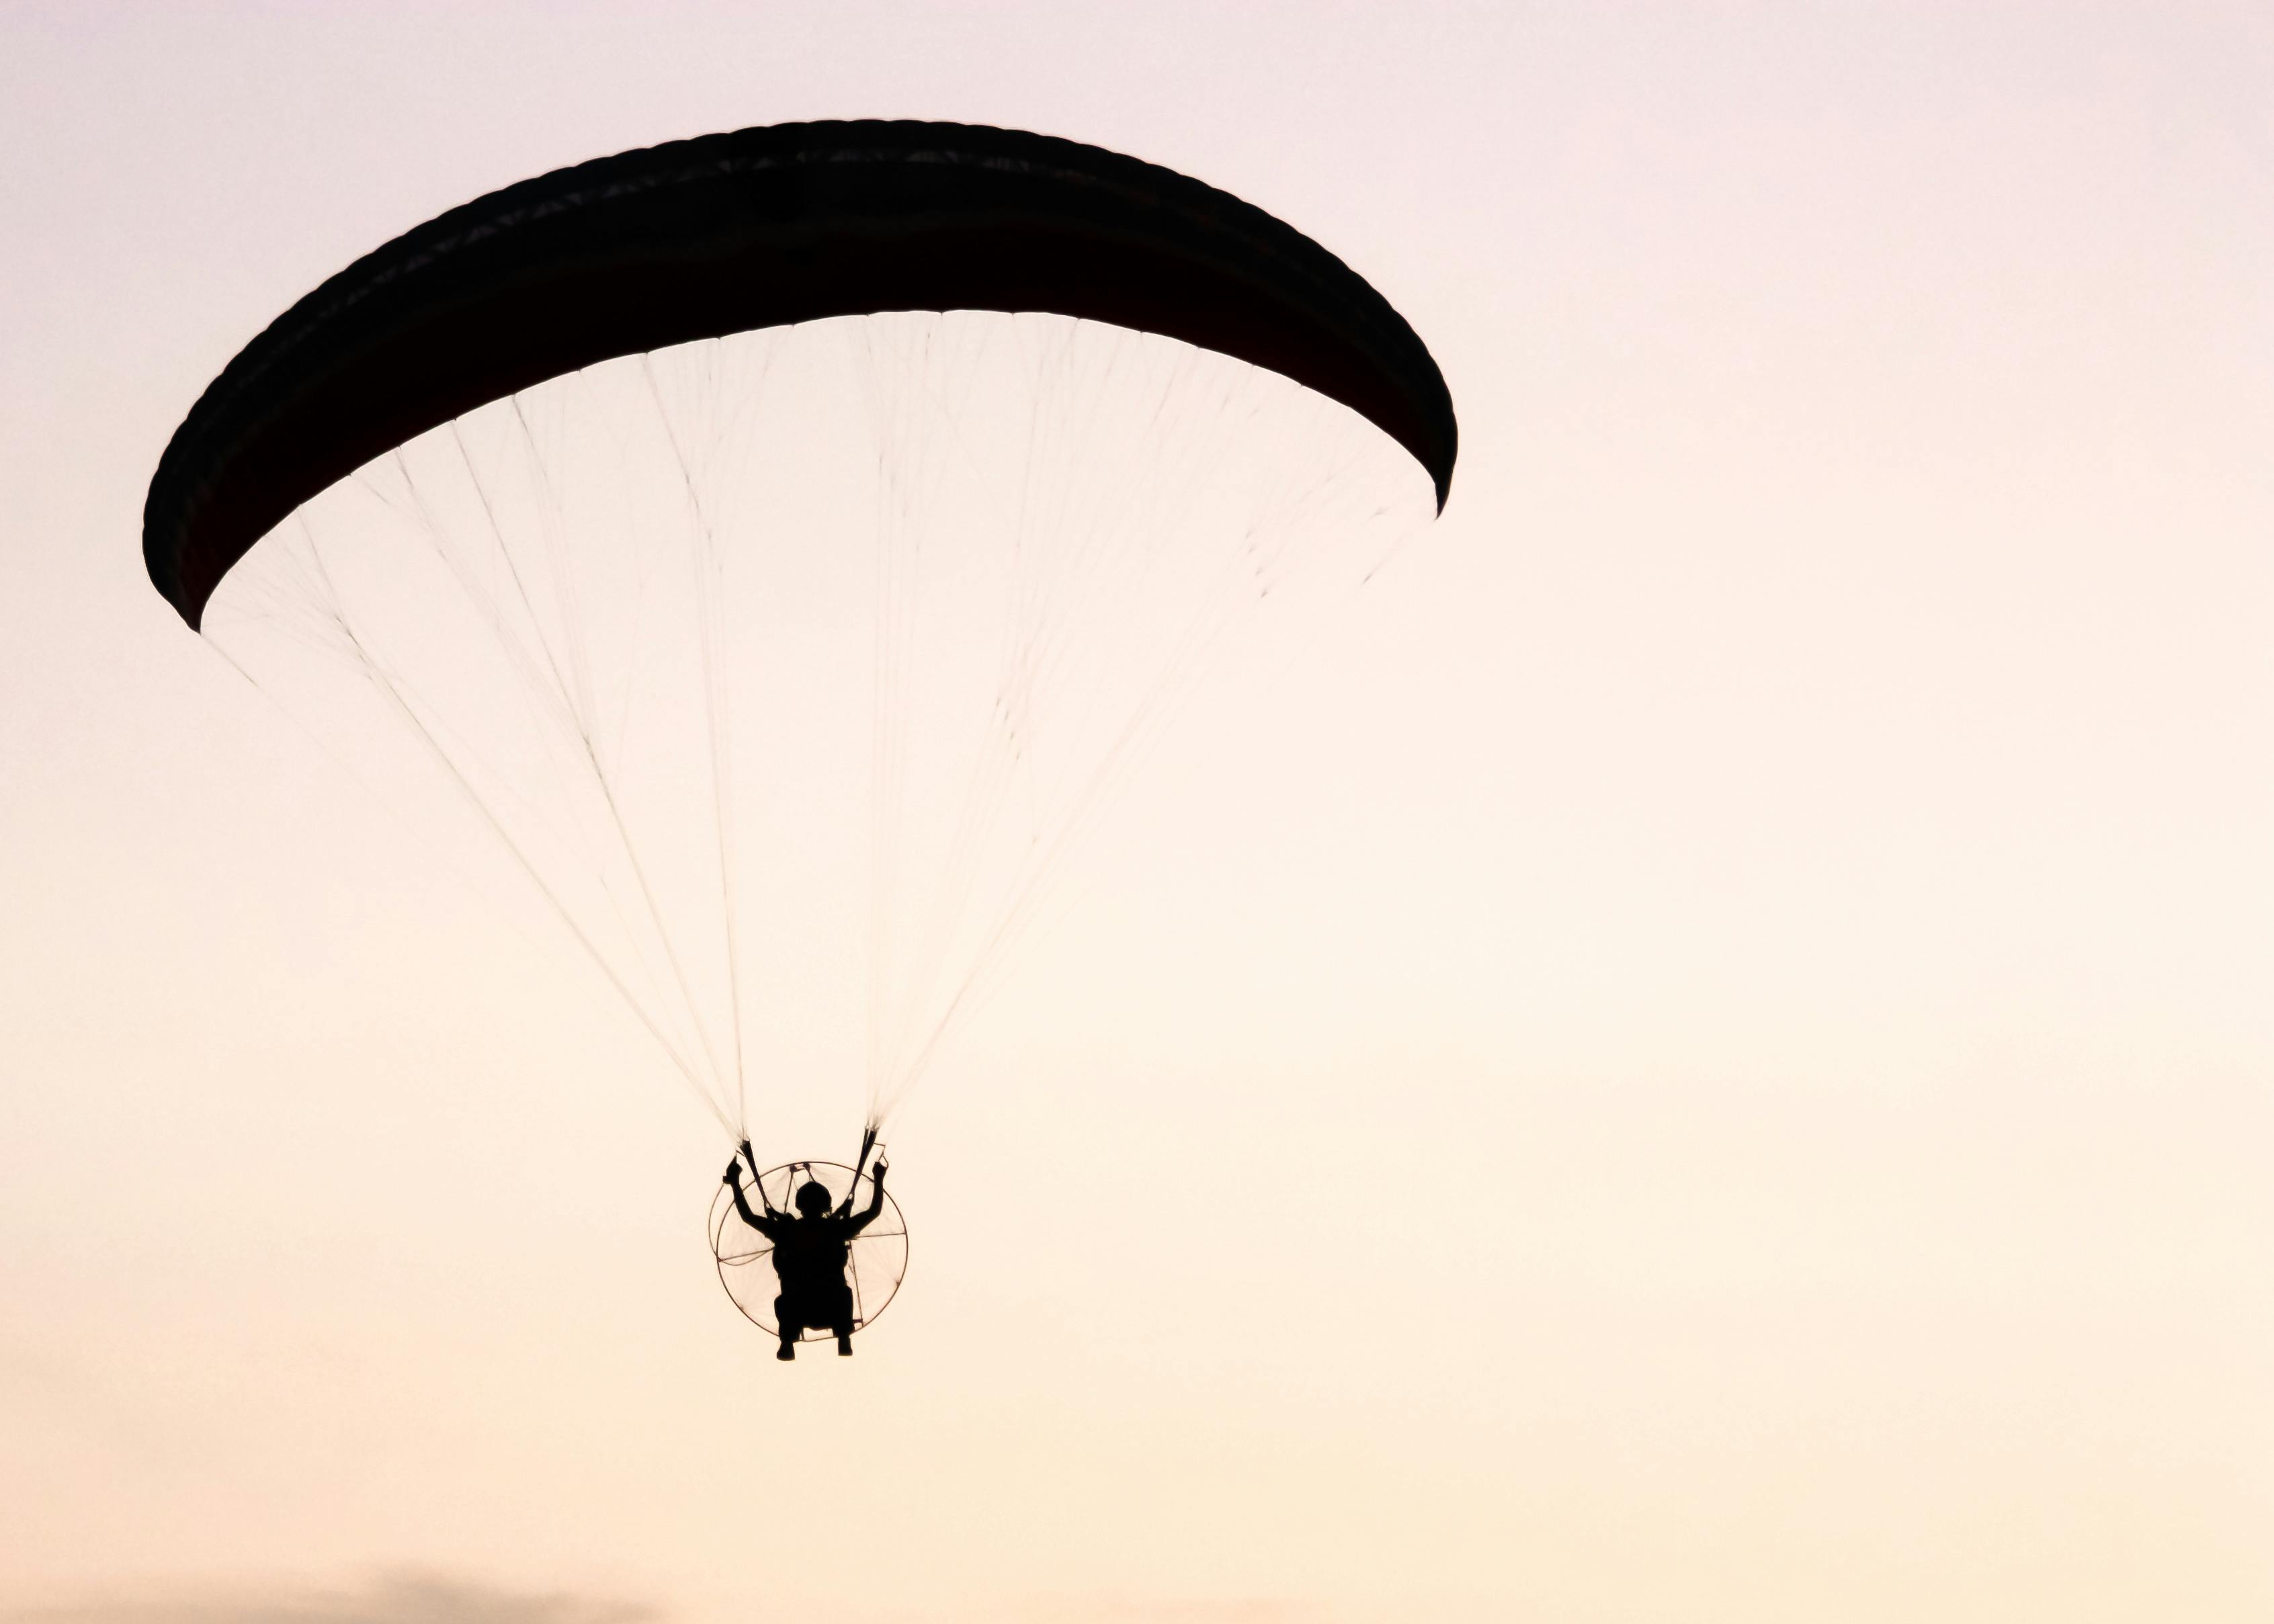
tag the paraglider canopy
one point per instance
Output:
(606, 519)
(759, 227)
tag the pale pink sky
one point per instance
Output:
(1705, 1056)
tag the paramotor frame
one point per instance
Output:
(880, 1252)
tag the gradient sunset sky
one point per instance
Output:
(1705, 1054)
